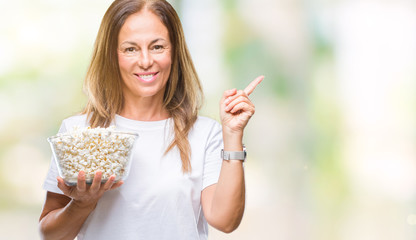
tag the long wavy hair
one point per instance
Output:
(103, 83)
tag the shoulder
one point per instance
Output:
(206, 127)
(206, 133)
(206, 123)
(76, 120)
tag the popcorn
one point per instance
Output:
(91, 150)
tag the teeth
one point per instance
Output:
(146, 77)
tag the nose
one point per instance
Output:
(145, 60)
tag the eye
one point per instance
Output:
(130, 50)
(158, 48)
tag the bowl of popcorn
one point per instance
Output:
(91, 150)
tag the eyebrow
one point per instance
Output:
(135, 44)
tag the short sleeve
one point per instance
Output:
(213, 161)
(51, 184)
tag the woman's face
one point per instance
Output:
(144, 56)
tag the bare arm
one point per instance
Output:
(63, 215)
(223, 203)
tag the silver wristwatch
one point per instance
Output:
(240, 155)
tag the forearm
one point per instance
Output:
(224, 202)
(64, 223)
(229, 199)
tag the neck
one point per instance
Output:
(144, 109)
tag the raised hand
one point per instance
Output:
(236, 108)
(88, 195)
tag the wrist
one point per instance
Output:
(83, 205)
(234, 155)
(233, 140)
(227, 131)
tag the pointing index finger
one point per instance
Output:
(250, 88)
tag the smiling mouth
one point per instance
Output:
(146, 77)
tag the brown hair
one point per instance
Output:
(103, 84)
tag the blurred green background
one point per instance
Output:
(331, 146)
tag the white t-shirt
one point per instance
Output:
(156, 201)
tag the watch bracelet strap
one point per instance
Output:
(239, 155)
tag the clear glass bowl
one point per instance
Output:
(109, 152)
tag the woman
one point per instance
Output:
(141, 78)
